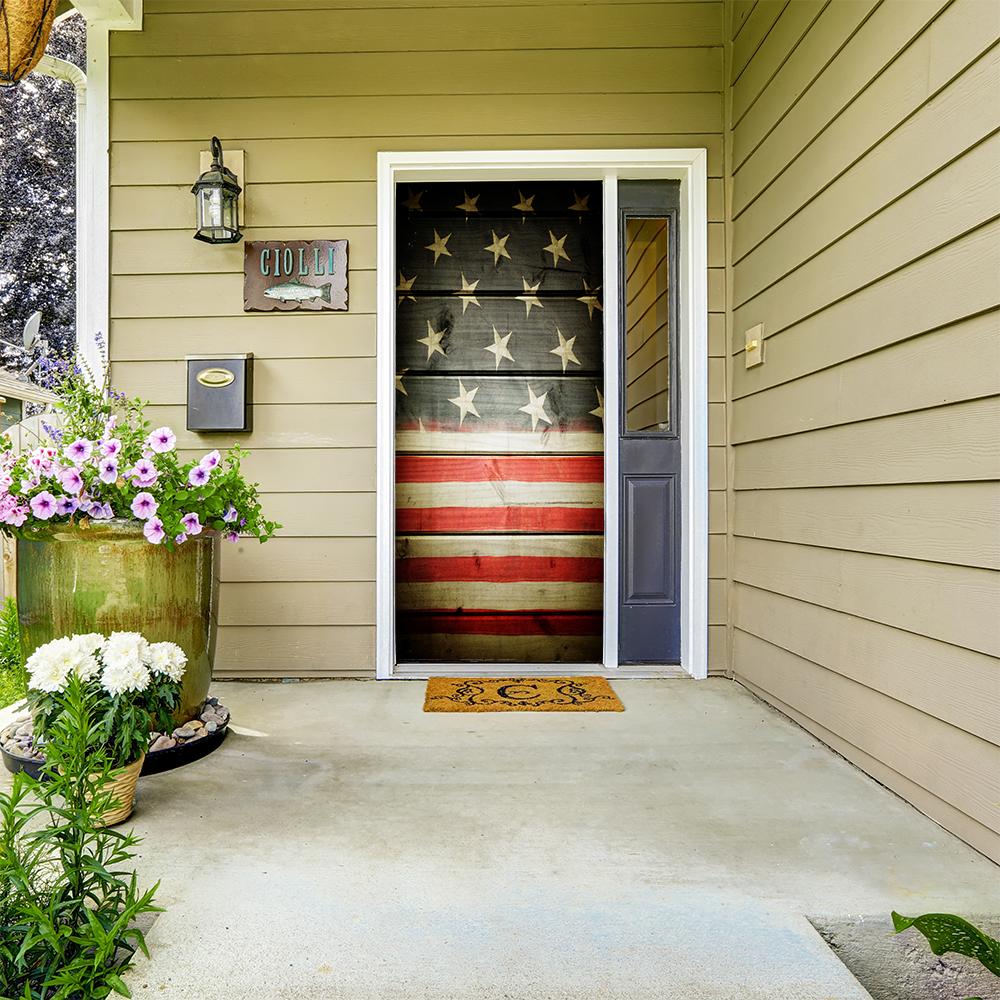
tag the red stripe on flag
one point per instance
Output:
(493, 623)
(501, 569)
(451, 469)
(549, 520)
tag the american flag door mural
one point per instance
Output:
(499, 422)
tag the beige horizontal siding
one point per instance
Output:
(864, 548)
(311, 92)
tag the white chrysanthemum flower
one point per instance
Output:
(88, 646)
(127, 644)
(124, 673)
(90, 642)
(50, 665)
(167, 658)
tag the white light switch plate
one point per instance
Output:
(754, 342)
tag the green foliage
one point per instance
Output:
(68, 899)
(13, 675)
(946, 932)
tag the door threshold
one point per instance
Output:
(421, 671)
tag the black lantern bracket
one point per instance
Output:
(219, 195)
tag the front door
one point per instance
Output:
(499, 422)
(648, 424)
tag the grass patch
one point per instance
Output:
(13, 676)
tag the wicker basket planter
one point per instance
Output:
(122, 785)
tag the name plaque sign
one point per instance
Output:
(285, 275)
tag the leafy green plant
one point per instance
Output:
(947, 932)
(13, 675)
(68, 898)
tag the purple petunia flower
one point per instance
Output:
(198, 476)
(230, 514)
(71, 480)
(108, 470)
(232, 536)
(43, 505)
(110, 447)
(211, 460)
(17, 516)
(66, 506)
(143, 473)
(102, 511)
(180, 539)
(153, 530)
(161, 440)
(79, 451)
(144, 506)
(191, 523)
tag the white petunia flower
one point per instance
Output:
(167, 658)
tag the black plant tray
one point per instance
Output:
(155, 763)
(183, 753)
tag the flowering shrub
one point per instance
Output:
(132, 683)
(106, 462)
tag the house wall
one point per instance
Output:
(311, 91)
(863, 159)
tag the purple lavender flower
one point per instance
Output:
(43, 505)
(153, 530)
(108, 470)
(198, 476)
(161, 440)
(230, 514)
(144, 506)
(191, 523)
(79, 451)
(211, 460)
(53, 432)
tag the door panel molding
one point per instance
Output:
(689, 166)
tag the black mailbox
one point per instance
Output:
(220, 392)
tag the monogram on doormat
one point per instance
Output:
(520, 694)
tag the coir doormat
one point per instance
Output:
(520, 694)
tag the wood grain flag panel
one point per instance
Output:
(499, 423)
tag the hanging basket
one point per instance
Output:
(24, 32)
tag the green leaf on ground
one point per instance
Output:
(947, 932)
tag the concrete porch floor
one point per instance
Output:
(346, 845)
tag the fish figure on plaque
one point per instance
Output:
(287, 275)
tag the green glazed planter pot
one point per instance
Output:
(105, 577)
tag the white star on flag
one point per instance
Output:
(464, 402)
(565, 350)
(535, 408)
(499, 348)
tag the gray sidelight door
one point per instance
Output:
(649, 449)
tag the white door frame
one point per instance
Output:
(689, 166)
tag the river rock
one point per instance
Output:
(163, 743)
(183, 733)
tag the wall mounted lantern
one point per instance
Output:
(217, 195)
